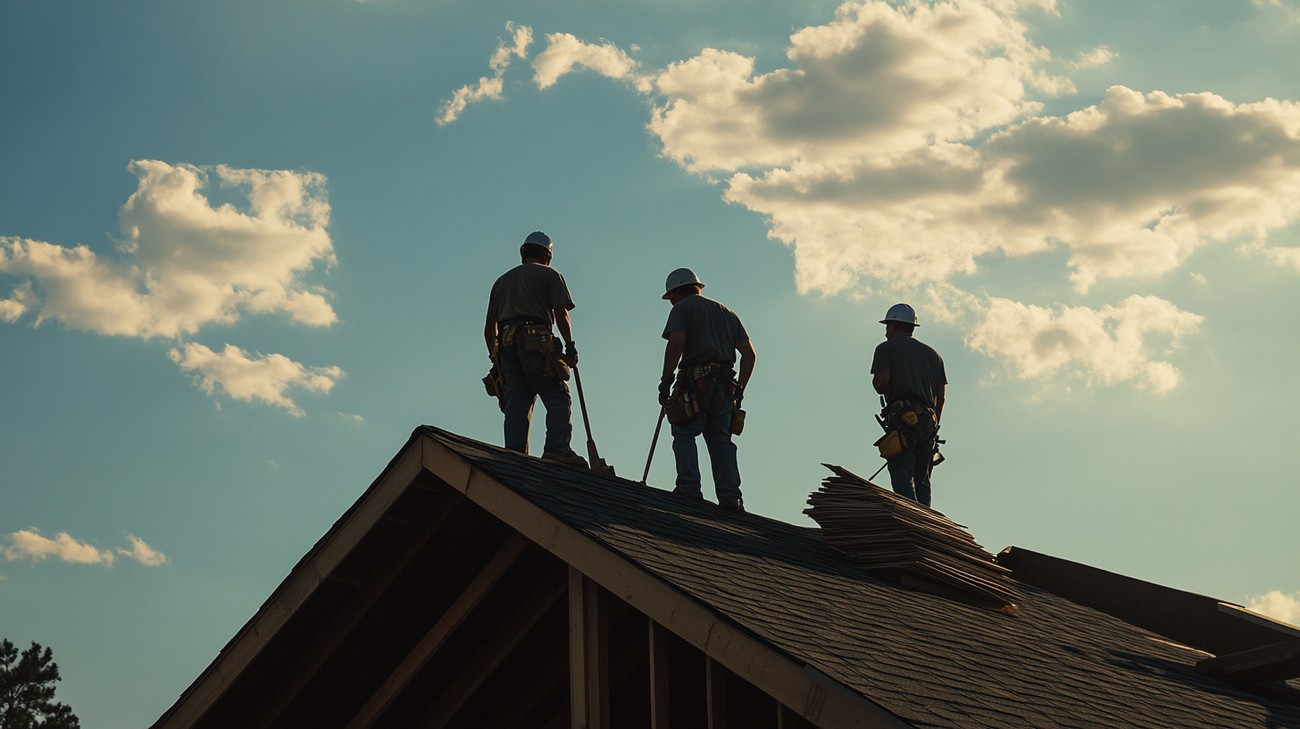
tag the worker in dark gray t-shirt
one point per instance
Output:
(909, 375)
(699, 359)
(525, 303)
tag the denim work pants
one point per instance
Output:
(714, 423)
(909, 471)
(523, 384)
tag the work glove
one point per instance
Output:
(739, 394)
(571, 353)
(665, 390)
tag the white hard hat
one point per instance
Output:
(681, 277)
(537, 240)
(902, 314)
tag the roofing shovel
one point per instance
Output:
(598, 464)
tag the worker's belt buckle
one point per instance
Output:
(708, 370)
(536, 330)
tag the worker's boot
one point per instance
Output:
(736, 505)
(572, 459)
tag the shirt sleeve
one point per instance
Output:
(677, 320)
(879, 360)
(741, 334)
(560, 296)
(494, 303)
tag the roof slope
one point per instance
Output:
(932, 661)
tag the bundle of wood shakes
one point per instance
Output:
(895, 538)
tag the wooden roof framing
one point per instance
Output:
(473, 587)
(430, 510)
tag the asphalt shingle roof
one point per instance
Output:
(930, 660)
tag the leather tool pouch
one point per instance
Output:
(539, 348)
(683, 404)
(495, 386)
(737, 421)
(891, 444)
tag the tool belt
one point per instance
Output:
(692, 382)
(539, 351)
(495, 386)
(903, 421)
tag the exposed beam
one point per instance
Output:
(659, 671)
(818, 698)
(347, 618)
(588, 653)
(497, 648)
(787, 719)
(323, 558)
(544, 680)
(578, 706)
(715, 690)
(441, 630)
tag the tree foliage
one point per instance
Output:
(27, 690)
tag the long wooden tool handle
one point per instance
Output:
(653, 441)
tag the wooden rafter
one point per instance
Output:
(494, 651)
(328, 553)
(544, 681)
(588, 653)
(659, 672)
(715, 689)
(441, 630)
(340, 627)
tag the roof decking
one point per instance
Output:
(926, 660)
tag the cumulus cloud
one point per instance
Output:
(1284, 257)
(143, 553)
(488, 87)
(186, 260)
(31, 545)
(11, 310)
(1131, 187)
(879, 79)
(1099, 56)
(257, 378)
(564, 53)
(904, 144)
(1290, 9)
(199, 246)
(1107, 345)
(1277, 605)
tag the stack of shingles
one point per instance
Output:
(896, 538)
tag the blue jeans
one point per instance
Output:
(714, 423)
(909, 471)
(523, 384)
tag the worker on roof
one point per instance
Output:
(525, 303)
(909, 375)
(703, 338)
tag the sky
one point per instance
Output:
(246, 247)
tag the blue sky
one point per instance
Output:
(245, 248)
